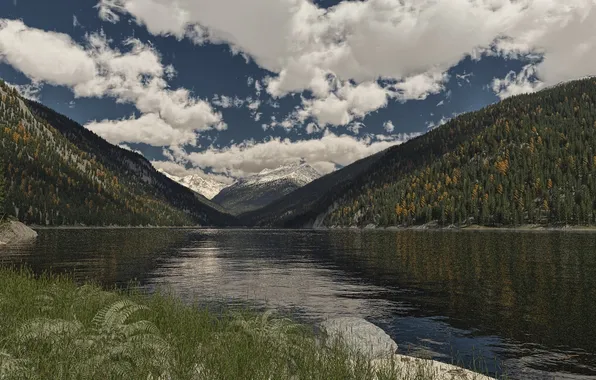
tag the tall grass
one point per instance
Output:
(50, 328)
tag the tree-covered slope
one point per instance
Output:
(58, 173)
(302, 206)
(530, 159)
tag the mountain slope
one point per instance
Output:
(204, 186)
(266, 187)
(59, 173)
(528, 159)
(302, 206)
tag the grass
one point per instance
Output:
(52, 328)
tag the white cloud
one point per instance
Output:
(134, 76)
(29, 91)
(44, 56)
(444, 120)
(249, 157)
(370, 39)
(127, 147)
(148, 129)
(517, 83)
(389, 127)
(75, 21)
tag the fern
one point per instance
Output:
(44, 329)
(12, 368)
(115, 315)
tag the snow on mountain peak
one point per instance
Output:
(205, 186)
(301, 173)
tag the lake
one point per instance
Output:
(519, 302)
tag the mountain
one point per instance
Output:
(207, 187)
(59, 173)
(269, 185)
(301, 207)
(530, 159)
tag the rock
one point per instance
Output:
(12, 232)
(360, 336)
(410, 368)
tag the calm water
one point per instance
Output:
(526, 299)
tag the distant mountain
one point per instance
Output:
(302, 207)
(530, 159)
(206, 187)
(269, 185)
(59, 173)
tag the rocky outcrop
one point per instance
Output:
(360, 336)
(371, 341)
(12, 232)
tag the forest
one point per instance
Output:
(530, 159)
(58, 173)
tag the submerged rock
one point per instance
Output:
(361, 336)
(12, 232)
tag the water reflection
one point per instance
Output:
(527, 299)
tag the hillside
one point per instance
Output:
(530, 159)
(302, 206)
(264, 188)
(59, 173)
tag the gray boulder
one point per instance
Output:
(361, 336)
(12, 232)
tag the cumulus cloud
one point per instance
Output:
(135, 75)
(44, 56)
(517, 83)
(248, 158)
(366, 40)
(389, 127)
(148, 129)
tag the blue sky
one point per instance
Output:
(226, 88)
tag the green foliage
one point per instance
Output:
(530, 159)
(59, 173)
(2, 190)
(52, 328)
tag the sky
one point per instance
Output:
(227, 88)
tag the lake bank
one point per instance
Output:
(54, 327)
(472, 227)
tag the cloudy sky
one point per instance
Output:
(230, 87)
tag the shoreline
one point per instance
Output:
(474, 228)
(161, 334)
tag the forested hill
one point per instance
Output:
(530, 159)
(59, 173)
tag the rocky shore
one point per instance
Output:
(13, 232)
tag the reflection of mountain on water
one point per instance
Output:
(109, 256)
(525, 298)
(537, 288)
(242, 270)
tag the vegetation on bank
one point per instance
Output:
(530, 159)
(52, 328)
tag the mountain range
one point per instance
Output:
(257, 191)
(530, 159)
(207, 187)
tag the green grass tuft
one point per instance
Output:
(52, 328)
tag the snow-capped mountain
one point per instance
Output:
(261, 189)
(206, 187)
